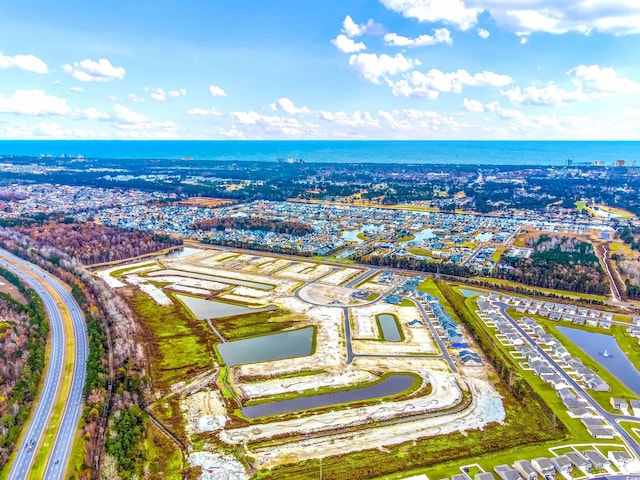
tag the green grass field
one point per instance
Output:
(179, 345)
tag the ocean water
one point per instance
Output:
(329, 151)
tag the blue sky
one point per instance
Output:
(348, 69)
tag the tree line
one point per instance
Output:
(23, 337)
(562, 263)
(290, 227)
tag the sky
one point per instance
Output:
(331, 69)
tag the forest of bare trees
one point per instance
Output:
(23, 333)
(562, 263)
(115, 388)
(91, 243)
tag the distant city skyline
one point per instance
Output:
(354, 69)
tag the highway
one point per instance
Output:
(42, 282)
(611, 419)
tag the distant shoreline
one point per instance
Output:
(406, 152)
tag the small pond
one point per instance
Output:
(469, 293)
(183, 252)
(389, 326)
(207, 309)
(351, 236)
(484, 237)
(392, 385)
(617, 363)
(424, 235)
(294, 343)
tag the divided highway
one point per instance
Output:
(44, 284)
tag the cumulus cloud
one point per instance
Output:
(33, 102)
(161, 95)
(215, 91)
(135, 98)
(523, 17)
(30, 63)
(353, 29)
(454, 12)
(347, 45)
(548, 95)
(504, 113)
(92, 113)
(94, 71)
(77, 89)
(590, 81)
(372, 66)
(597, 79)
(483, 33)
(473, 106)
(203, 112)
(430, 84)
(126, 116)
(286, 105)
(440, 35)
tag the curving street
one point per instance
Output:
(610, 418)
(44, 284)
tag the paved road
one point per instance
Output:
(28, 449)
(612, 419)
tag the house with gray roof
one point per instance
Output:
(578, 461)
(562, 465)
(484, 476)
(543, 466)
(598, 460)
(505, 472)
(525, 469)
(620, 459)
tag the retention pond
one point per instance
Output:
(389, 327)
(293, 343)
(392, 385)
(616, 362)
(207, 309)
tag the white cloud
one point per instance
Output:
(33, 102)
(135, 98)
(483, 33)
(473, 106)
(215, 91)
(30, 63)
(504, 113)
(286, 105)
(352, 29)
(440, 35)
(596, 79)
(347, 45)
(524, 40)
(92, 113)
(158, 94)
(127, 116)
(77, 89)
(549, 95)
(372, 66)
(204, 112)
(94, 71)
(454, 12)
(619, 17)
(428, 85)
(161, 95)
(590, 81)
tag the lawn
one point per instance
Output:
(120, 271)
(561, 293)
